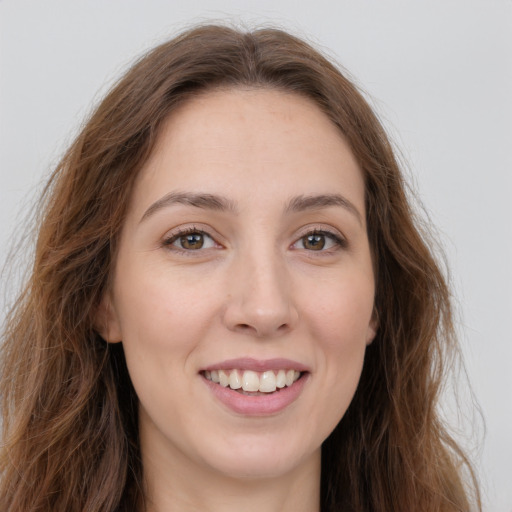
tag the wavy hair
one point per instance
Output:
(70, 434)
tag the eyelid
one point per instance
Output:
(322, 229)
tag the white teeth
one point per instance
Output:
(223, 378)
(234, 380)
(281, 379)
(267, 382)
(250, 381)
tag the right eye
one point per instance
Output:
(190, 240)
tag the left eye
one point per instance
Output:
(318, 241)
(192, 241)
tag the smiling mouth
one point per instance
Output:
(253, 383)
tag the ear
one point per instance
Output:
(373, 326)
(106, 321)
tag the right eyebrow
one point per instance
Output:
(199, 200)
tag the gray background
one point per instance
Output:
(439, 74)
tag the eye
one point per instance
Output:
(191, 240)
(319, 241)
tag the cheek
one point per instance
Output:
(156, 307)
(340, 321)
(161, 324)
(341, 311)
(343, 347)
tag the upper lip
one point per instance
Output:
(257, 365)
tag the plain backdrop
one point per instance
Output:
(439, 73)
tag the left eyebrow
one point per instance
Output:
(301, 203)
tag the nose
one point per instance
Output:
(260, 300)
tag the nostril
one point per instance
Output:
(245, 327)
(261, 332)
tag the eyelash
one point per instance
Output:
(339, 241)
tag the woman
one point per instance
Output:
(231, 305)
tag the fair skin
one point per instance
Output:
(244, 248)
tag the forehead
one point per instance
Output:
(253, 143)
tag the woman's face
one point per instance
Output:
(243, 261)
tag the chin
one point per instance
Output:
(260, 460)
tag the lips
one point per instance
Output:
(256, 387)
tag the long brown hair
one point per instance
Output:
(70, 435)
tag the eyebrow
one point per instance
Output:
(315, 202)
(222, 204)
(199, 200)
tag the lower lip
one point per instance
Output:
(258, 405)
